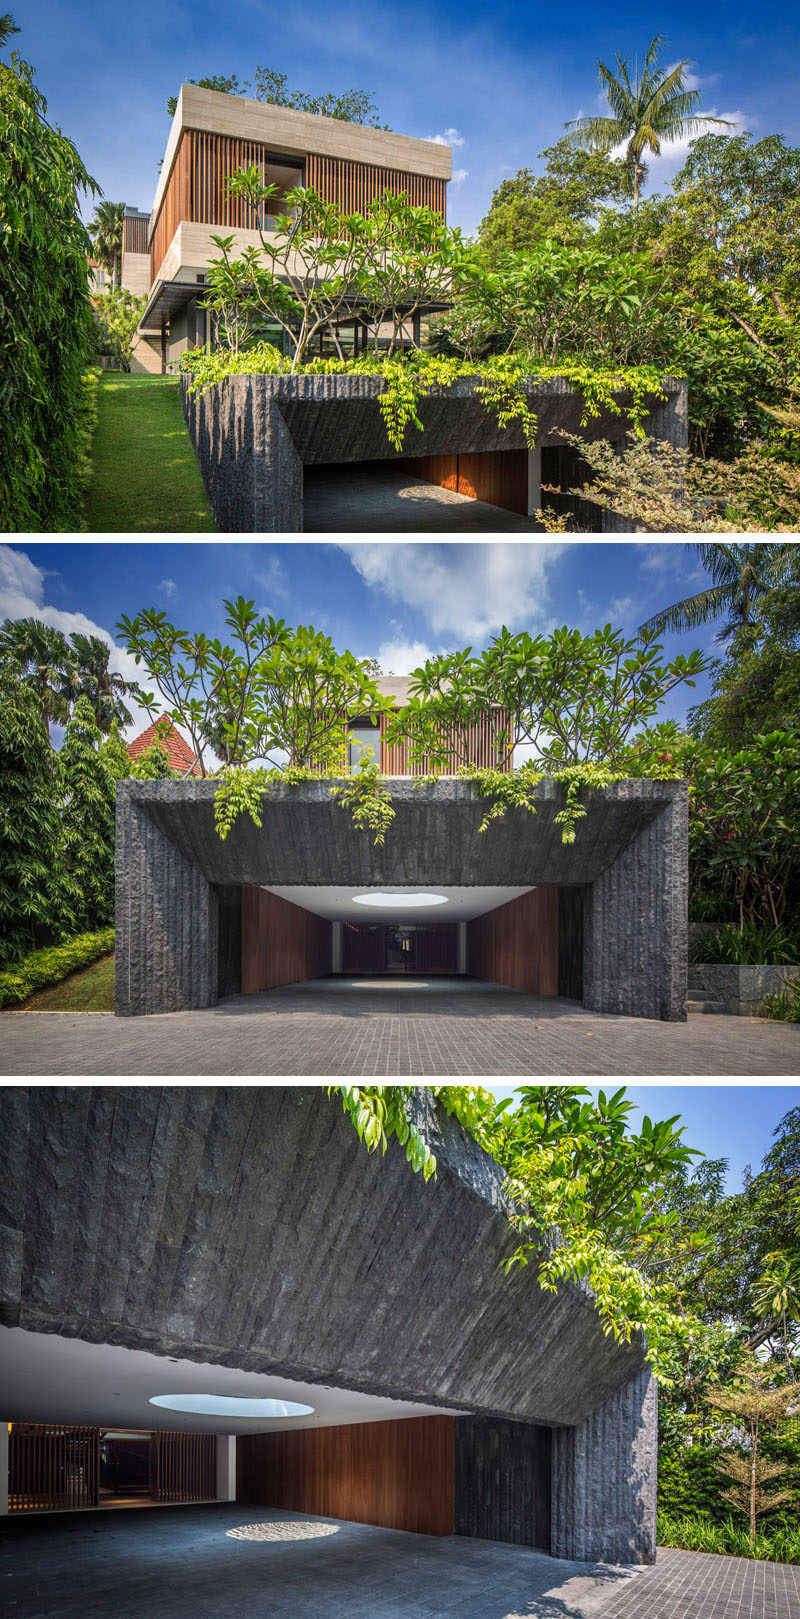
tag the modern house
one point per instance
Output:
(215, 1293)
(211, 136)
(307, 894)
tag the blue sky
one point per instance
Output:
(394, 600)
(724, 1121)
(504, 77)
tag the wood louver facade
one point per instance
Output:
(182, 1466)
(52, 1467)
(196, 191)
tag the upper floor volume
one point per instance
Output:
(213, 135)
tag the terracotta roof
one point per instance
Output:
(178, 751)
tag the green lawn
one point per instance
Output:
(145, 478)
(89, 990)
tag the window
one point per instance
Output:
(364, 737)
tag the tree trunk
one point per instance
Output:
(753, 1499)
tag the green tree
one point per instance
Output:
(755, 1400)
(757, 686)
(105, 230)
(105, 688)
(44, 662)
(46, 313)
(352, 106)
(740, 574)
(644, 112)
(87, 821)
(559, 204)
(31, 871)
(116, 317)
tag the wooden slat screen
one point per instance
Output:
(482, 749)
(196, 191)
(355, 185)
(517, 944)
(500, 477)
(183, 1466)
(134, 234)
(282, 943)
(52, 1468)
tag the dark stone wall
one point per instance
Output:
(636, 924)
(570, 943)
(166, 919)
(604, 1480)
(253, 435)
(229, 932)
(503, 1481)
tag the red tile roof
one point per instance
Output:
(178, 751)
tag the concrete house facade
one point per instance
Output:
(165, 1242)
(307, 894)
(212, 135)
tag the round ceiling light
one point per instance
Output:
(400, 901)
(223, 1405)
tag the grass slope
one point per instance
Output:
(90, 990)
(145, 478)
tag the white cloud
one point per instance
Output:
(271, 578)
(399, 657)
(22, 595)
(464, 590)
(459, 176)
(168, 588)
(451, 137)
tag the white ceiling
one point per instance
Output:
(336, 904)
(46, 1378)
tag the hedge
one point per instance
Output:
(773, 1544)
(50, 965)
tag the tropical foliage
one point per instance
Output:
(353, 106)
(44, 295)
(50, 965)
(116, 316)
(105, 230)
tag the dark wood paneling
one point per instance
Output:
(52, 1467)
(183, 1466)
(570, 942)
(395, 1474)
(434, 949)
(363, 948)
(502, 1481)
(517, 944)
(499, 477)
(134, 234)
(282, 943)
(229, 930)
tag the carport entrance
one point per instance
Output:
(390, 497)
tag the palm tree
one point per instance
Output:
(651, 109)
(741, 574)
(104, 688)
(7, 28)
(106, 233)
(45, 661)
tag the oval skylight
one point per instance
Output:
(400, 901)
(224, 1405)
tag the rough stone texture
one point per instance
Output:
(502, 1481)
(631, 846)
(604, 1480)
(248, 1227)
(635, 923)
(741, 990)
(254, 434)
(166, 917)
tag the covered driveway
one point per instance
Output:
(234, 1562)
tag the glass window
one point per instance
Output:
(363, 739)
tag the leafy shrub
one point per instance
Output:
(754, 945)
(785, 1005)
(689, 1483)
(44, 296)
(776, 1545)
(49, 966)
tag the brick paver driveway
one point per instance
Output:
(374, 1027)
(244, 1562)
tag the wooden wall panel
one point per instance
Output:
(183, 1466)
(499, 477)
(282, 943)
(481, 749)
(353, 186)
(52, 1467)
(517, 944)
(434, 949)
(363, 948)
(397, 1474)
(134, 235)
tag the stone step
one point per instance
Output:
(699, 994)
(694, 1005)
